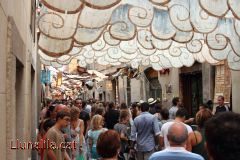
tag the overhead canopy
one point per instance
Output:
(159, 33)
(73, 82)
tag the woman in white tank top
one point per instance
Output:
(77, 128)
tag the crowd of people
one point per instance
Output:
(144, 130)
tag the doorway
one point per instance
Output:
(155, 88)
(192, 95)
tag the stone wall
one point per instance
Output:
(122, 84)
(3, 80)
(235, 75)
(136, 90)
(169, 79)
(208, 81)
(222, 82)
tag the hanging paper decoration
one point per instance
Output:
(89, 85)
(159, 33)
(45, 76)
(165, 71)
(59, 79)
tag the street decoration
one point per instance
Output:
(157, 33)
(45, 76)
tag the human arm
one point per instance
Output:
(123, 137)
(161, 142)
(190, 140)
(133, 139)
(189, 121)
(90, 140)
(51, 155)
(133, 132)
(81, 136)
(88, 121)
(124, 133)
(161, 139)
(156, 127)
(66, 156)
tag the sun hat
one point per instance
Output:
(151, 101)
(140, 102)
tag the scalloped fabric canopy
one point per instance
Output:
(157, 33)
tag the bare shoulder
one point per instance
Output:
(198, 136)
(81, 121)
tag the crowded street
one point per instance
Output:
(119, 79)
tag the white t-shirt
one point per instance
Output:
(172, 112)
(164, 131)
(88, 108)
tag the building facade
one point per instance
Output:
(19, 70)
(194, 85)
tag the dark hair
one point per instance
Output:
(123, 106)
(57, 101)
(78, 99)
(49, 111)
(134, 105)
(123, 114)
(205, 106)
(144, 107)
(202, 116)
(62, 114)
(48, 124)
(222, 136)
(158, 107)
(175, 100)
(84, 103)
(111, 105)
(165, 114)
(210, 104)
(135, 108)
(108, 144)
(222, 97)
(182, 113)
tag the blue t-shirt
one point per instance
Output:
(175, 153)
(144, 130)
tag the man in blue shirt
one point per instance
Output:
(143, 132)
(177, 137)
